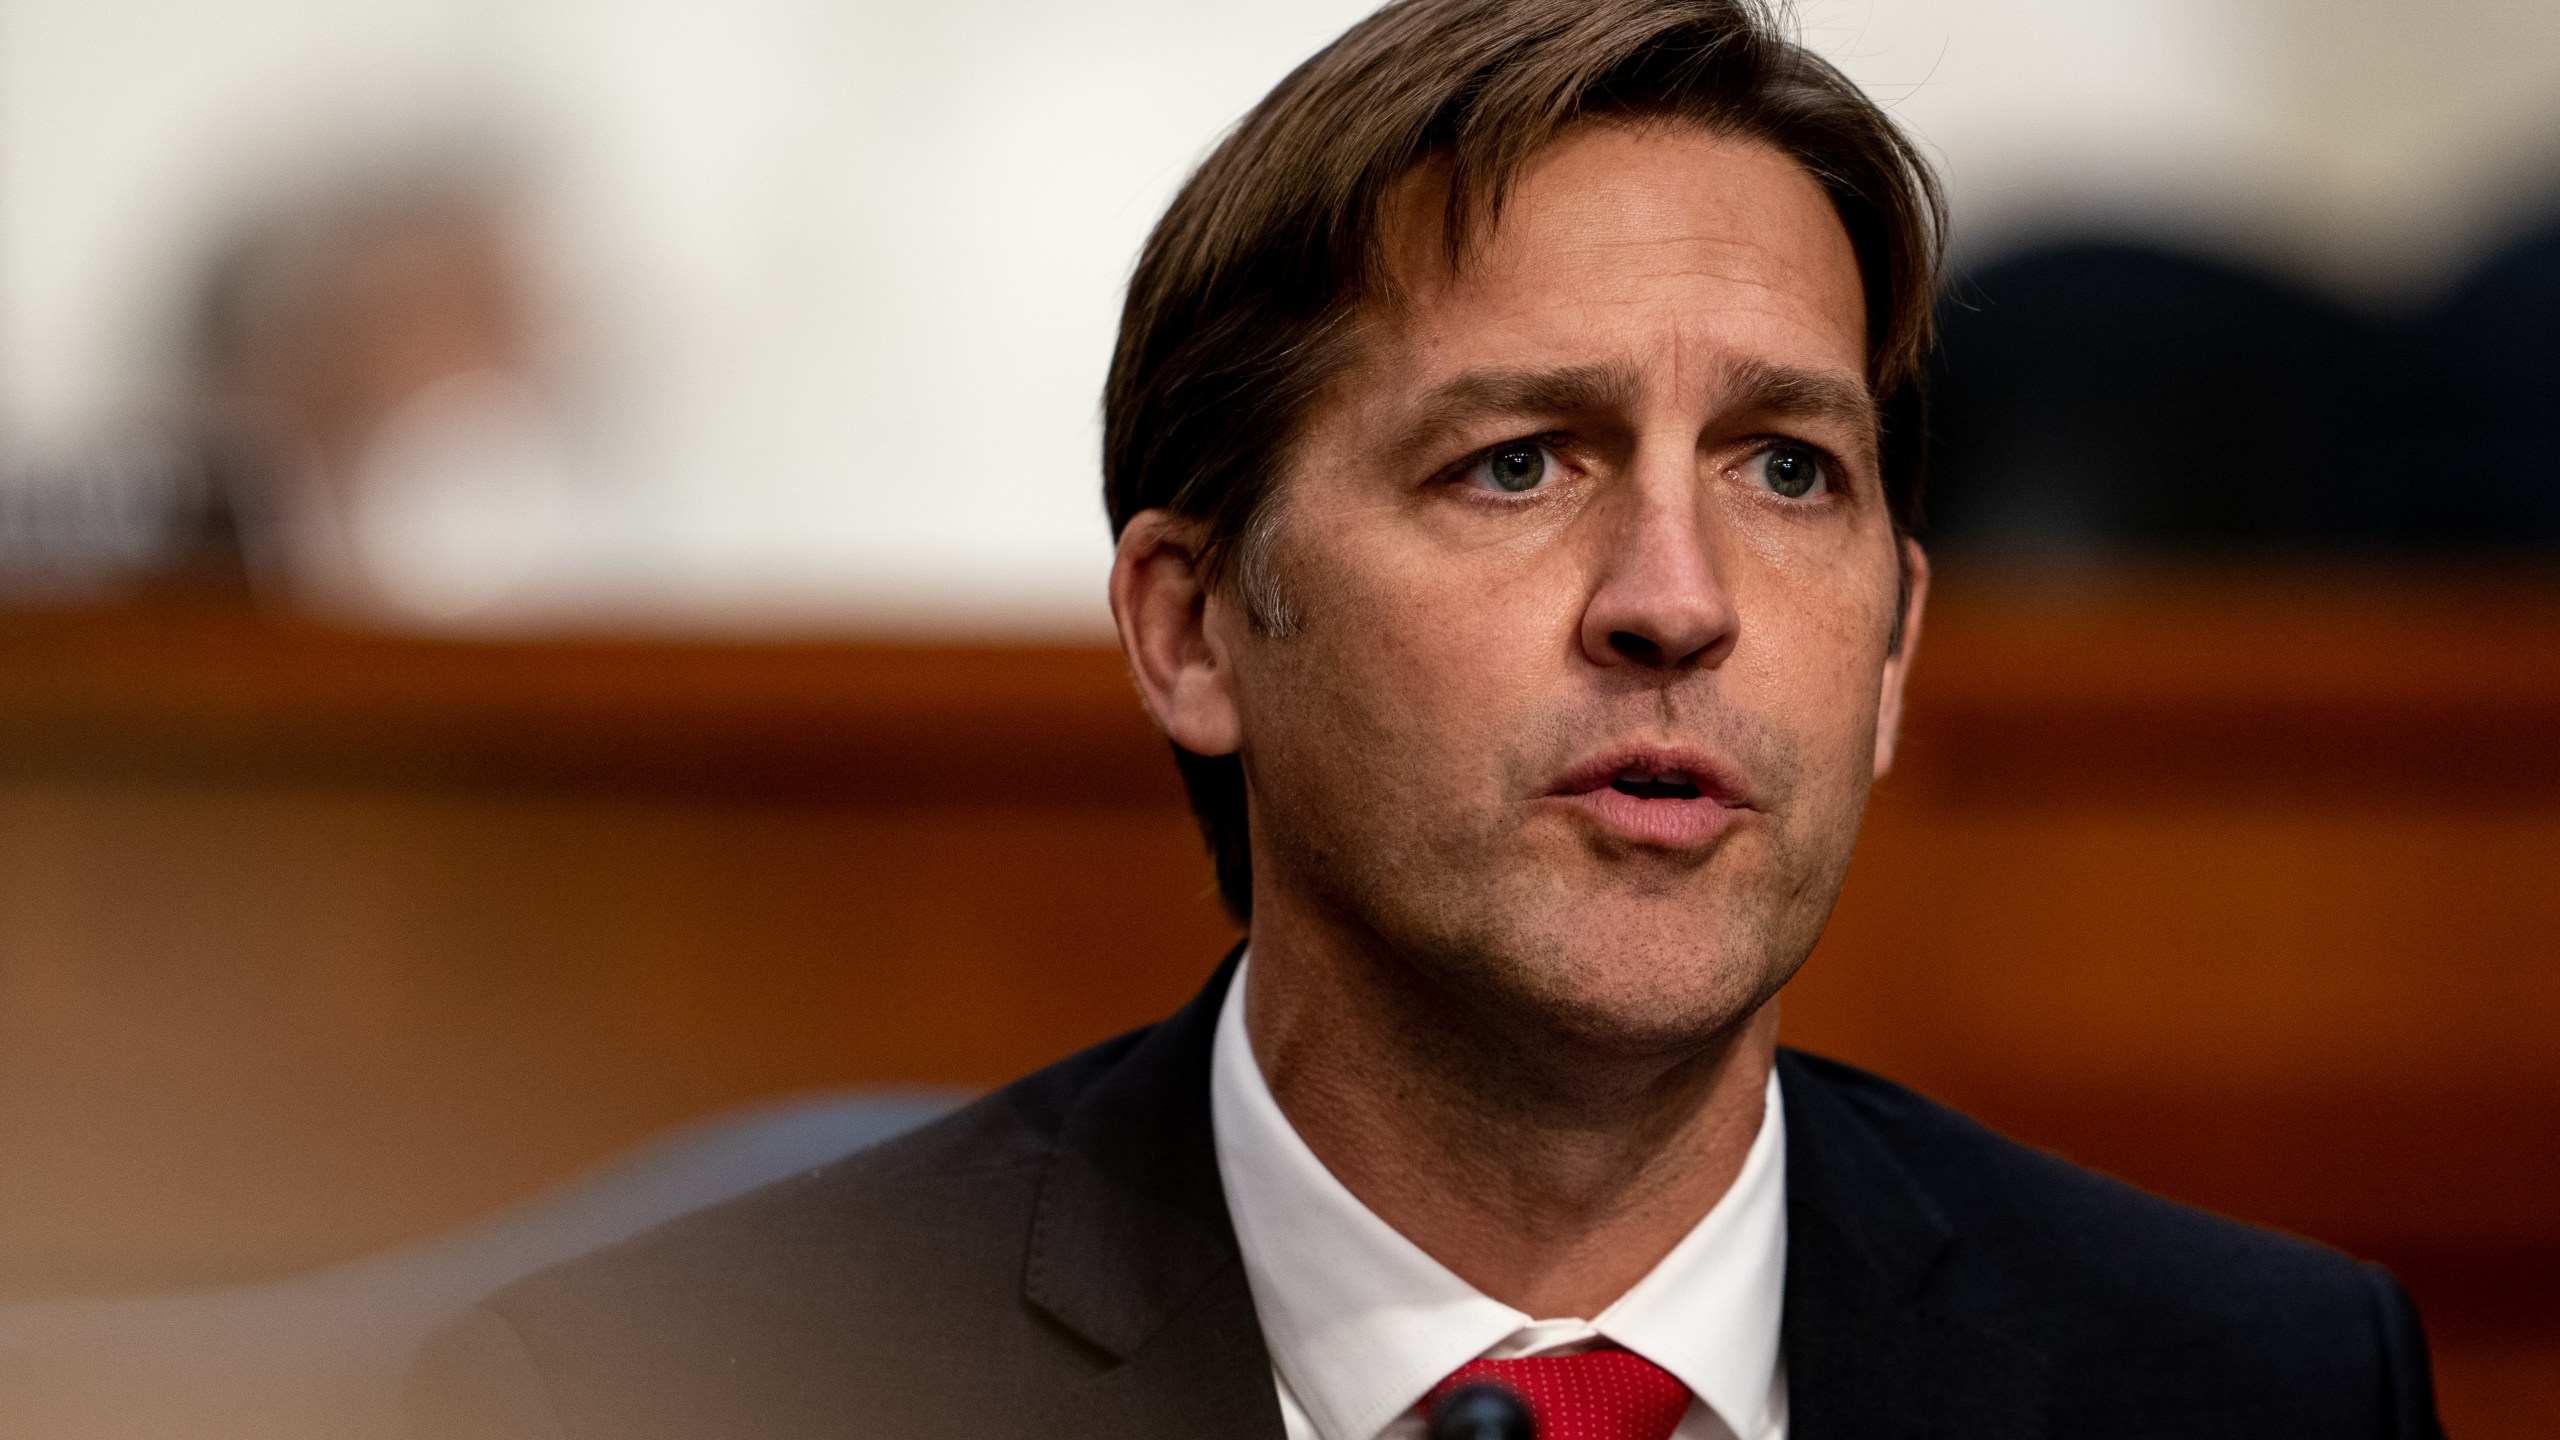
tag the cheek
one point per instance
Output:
(1813, 633)
(1409, 676)
(1833, 578)
(1456, 625)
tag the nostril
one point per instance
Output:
(1635, 647)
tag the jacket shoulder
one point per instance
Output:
(2002, 1195)
(819, 1296)
(2134, 1298)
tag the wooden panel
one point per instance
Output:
(243, 1031)
(214, 696)
(2247, 892)
(2242, 888)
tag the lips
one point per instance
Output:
(1647, 784)
(1660, 798)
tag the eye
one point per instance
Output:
(1790, 470)
(1513, 469)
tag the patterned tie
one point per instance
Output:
(1607, 1394)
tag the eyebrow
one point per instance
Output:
(1477, 394)
(1793, 393)
(1761, 387)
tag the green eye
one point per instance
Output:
(1791, 470)
(1513, 469)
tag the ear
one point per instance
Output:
(1897, 666)
(1161, 601)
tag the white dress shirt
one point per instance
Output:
(1361, 1323)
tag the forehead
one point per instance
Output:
(1660, 245)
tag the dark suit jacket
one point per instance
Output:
(1056, 1261)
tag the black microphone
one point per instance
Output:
(1482, 1411)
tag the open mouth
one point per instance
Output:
(1665, 799)
(1656, 784)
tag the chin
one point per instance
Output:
(1643, 980)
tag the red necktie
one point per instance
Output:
(1606, 1394)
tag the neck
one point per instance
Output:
(1550, 1172)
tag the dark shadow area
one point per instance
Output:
(2101, 399)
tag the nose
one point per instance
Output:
(1658, 603)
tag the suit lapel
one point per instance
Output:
(1867, 1357)
(1205, 1373)
(1133, 1253)
(1132, 1250)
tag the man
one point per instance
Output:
(1511, 441)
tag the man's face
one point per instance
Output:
(1592, 580)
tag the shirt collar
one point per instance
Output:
(1360, 1322)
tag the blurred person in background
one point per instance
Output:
(2104, 398)
(1513, 443)
(369, 429)
(372, 381)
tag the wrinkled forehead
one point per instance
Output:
(1626, 227)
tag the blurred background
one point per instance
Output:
(514, 517)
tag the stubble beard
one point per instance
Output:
(1531, 962)
(1528, 963)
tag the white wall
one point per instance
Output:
(846, 270)
(2371, 145)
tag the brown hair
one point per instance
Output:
(1241, 310)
